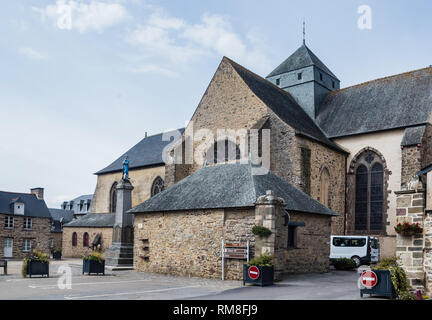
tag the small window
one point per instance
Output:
(333, 84)
(299, 76)
(74, 239)
(51, 243)
(9, 222)
(27, 223)
(292, 232)
(85, 239)
(26, 245)
(321, 77)
(278, 81)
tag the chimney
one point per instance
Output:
(39, 192)
(145, 135)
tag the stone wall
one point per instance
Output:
(39, 234)
(189, 243)
(411, 163)
(79, 250)
(57, 237)
(410, 208)
(312, 250)
(141, 179)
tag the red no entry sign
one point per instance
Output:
(369, 279)
(253, 272)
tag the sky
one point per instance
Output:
(82, 81)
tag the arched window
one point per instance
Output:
(157, 186)
(85, 239)
(74, 239)
(324, 187)
(223, 151)
(369, 193)
(113, 198)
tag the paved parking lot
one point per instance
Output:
(133, 285)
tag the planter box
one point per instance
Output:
(92, 266)
(57, 255)
(36, 268)
(384, 286)
(265, 278)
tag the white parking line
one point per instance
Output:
(127, 293)
(86, 283)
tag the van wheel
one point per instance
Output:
(356, 260)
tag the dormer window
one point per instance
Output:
(278, 81)
(299, 76)
(18, 208)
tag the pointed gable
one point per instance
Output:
(303, 57)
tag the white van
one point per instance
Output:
(362, 249)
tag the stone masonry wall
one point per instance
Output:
(39, 234)
(411, 163)
(312, 250)
(189, 243)
(79, 250)
(410, 208)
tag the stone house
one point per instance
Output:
(81, 236)
(59, 218)
(25, 224)
(180, 230)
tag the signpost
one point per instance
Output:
(234, 250)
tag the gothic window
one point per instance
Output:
(85, 239)
(157, 186)
(369, 193)
(74, 239)
(324, 187)
(113, 198)
(231, 152)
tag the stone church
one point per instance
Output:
(351, 149)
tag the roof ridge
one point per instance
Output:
(27, 193)
(379, 79)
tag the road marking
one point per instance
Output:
(85, 283)
(127, 293)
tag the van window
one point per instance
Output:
(374, 243)
(360, 242)
(341, 242)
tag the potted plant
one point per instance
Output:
(259, 271)
(56, 254)
(343, 264)
(36, 264)
(94, 263)
(408, 229)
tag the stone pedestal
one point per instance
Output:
(409, 249)
(270, 213)
(120, 253)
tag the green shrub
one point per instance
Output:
(398, 278)
(36, 255)
(262, 261)
(95, 256)
(407, 296)
(345, 263)
(261, 231)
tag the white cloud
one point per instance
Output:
(31, 53)
(174, 40)
(95, 16)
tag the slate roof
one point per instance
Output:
(93, 220)
(284, 105)
(303, 57)
(228, 186)
(58, 214)
(393, 102)
(413, 136)
(33, 207)
(147, 152)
